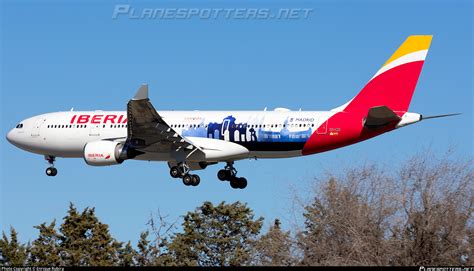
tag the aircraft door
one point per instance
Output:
(322, 125)
(94, 130)
(36, 127)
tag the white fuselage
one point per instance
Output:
(280, 133)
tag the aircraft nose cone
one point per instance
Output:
(11, 137)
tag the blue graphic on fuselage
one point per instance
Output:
(229, 130)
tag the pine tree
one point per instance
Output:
(14, 253)
(153, 253)
(144, 250)
(126, 255)
(216, 235)
(274, 247)
(72, 238)
(85, 240)
(45, 249)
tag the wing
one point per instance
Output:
(147, 131)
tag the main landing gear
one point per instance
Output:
(229, 173)
(51, 171)
(182, 171)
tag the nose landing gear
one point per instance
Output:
(229, 173)
(51, 171)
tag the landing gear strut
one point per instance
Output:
(51, 171)
(182, 171)
(229, 173)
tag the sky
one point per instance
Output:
(58, 55)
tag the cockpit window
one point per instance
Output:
(19, 126)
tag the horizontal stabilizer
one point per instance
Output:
(440, 116)
(380, 116)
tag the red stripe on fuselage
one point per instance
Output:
(345, 129)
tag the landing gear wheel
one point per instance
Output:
(223, 175)
(195, 180)
(242, 183)
(51, 171)
(234, 183)
(187, 180)
(175, 172)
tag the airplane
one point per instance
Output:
(192, 140)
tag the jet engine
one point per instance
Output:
(105, 153)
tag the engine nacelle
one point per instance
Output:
(103, 153)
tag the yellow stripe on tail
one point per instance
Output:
(411, 44)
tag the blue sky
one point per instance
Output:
(57, 55)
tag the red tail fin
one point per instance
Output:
(393, 85)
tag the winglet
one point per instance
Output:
(142, 93)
